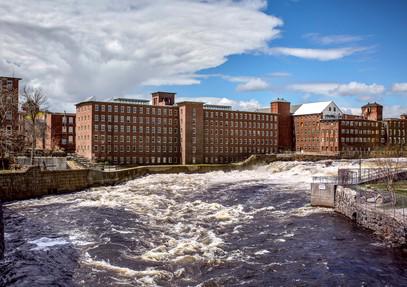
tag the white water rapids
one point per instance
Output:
(174, 229)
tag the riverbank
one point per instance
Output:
(386, 221)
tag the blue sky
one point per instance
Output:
(243, 53)
(377, 27)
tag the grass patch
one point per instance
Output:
(400, 186)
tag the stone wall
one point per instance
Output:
(384, 224)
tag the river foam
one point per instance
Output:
(178, 229)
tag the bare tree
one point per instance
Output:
(390, 169)
(34, 101)
(8, 134)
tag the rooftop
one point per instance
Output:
(311, 108)
(218, 107)
(132, 101)
(374, 104)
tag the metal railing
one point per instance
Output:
(355, 176)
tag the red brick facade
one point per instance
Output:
(59, 133)
(285, 126)
(373, 112)
(133, 132)
(127, 132)
(9, 96)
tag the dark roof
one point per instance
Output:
(372, 105)
(5, 77)
(281, 100)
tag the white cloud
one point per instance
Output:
(280, 74)
(255, 84)
(337, 89)
(399, 88)
(249, 105)
(315, 54)
(107, 48)
(246, 84)
(394, 111)
(333, 39)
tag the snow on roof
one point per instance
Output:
(311, 108)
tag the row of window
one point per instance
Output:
(242, 149)
(135, 120)
(241, 124)
(360, 132)
(359, 140)
(135, 149)
(360, 124)
(136, 139)
(397, 140)
(135, 109)
(66, 119)
(140, 160)
(397, 133)
(242, 133)
(136, 129)
(240, 115)
(69, 130)
(240, 141)
(65, 141)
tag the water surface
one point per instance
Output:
(241, 228)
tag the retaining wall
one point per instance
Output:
(386, 226)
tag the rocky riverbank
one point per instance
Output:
(387, 223)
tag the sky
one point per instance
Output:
(242, 53)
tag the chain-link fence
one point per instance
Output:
(393, 204)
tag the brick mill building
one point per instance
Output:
(130, 131)
(323, 128)
(58, 132)
(9, 127)
(9, 97)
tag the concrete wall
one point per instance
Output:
(323, 194)
(385, 225)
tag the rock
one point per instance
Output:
(371, 200)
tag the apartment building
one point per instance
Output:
(128, 131)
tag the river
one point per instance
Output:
(239, 228)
